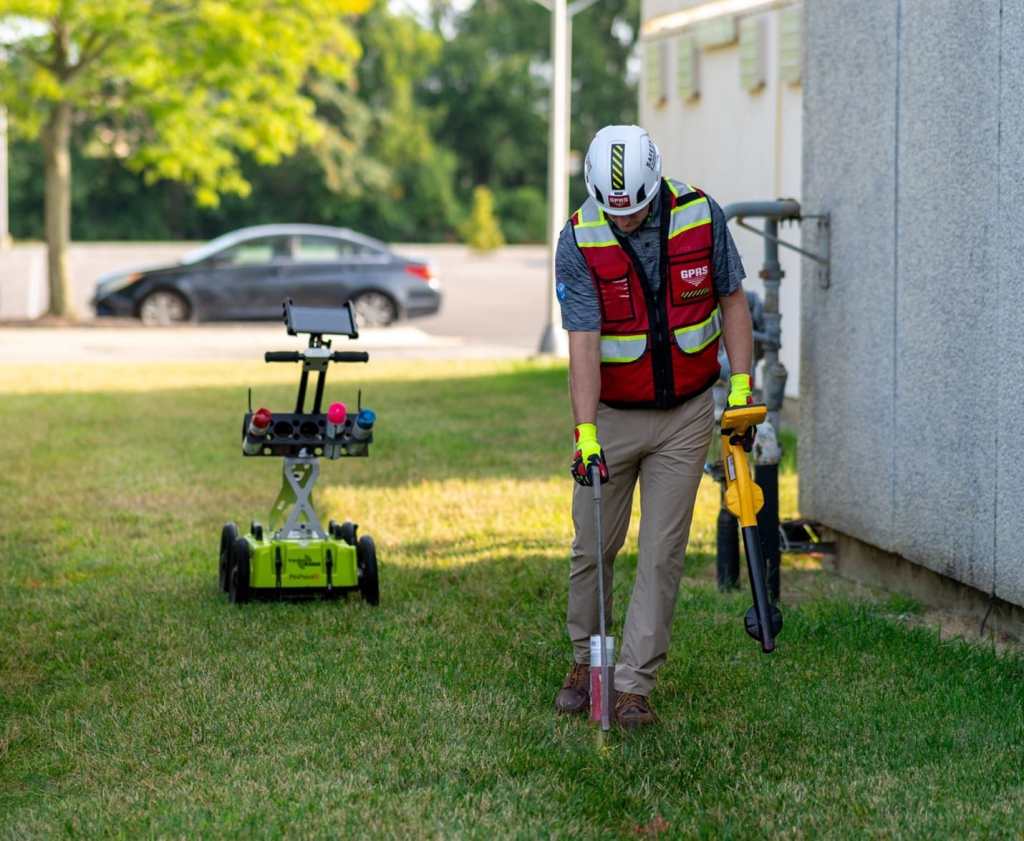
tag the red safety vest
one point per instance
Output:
(657, 349)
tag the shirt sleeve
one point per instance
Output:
(574, 286)
(726, 262)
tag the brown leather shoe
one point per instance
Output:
(633, 710)
(574, 696)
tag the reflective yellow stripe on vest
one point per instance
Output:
(593, 230)
(623, 348)
(693, 214)
(695, 337)
(678, 188)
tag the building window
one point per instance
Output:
(687, 68)
(656, 72)
(752, 54)
(791, 44)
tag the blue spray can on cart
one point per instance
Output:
(361, 431)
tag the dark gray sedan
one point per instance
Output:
(244, 276)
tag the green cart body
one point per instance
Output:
(301, 565)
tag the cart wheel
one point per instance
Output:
(366, 558)
(347, 532)
(238, 585)
(332, 529)
(256, 530)
(228, 536)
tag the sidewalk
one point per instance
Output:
(222, 341)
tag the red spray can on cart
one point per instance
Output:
(256, 434)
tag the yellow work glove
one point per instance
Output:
(739, 390)
(588, 452)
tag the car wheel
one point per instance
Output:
(163, 307)
(374, 309)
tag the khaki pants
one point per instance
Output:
(665, 449)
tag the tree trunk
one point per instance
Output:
(57, 149)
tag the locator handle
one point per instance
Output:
(282, 356)
(350, 356)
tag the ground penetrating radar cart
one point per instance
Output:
(294, 556)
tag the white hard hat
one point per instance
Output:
(623, 169)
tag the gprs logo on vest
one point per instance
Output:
(694, 276)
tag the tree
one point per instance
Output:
(417, 201)
(493, 81)
(481, 230)
(179, 91)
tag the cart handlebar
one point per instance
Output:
(298, 356)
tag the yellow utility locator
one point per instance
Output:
(744, 499)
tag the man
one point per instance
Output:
(649, 281)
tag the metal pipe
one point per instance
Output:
(817, 258)
(773, 387)
(778, 209)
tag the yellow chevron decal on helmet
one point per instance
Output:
(618, 161)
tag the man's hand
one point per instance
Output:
(739, 390)
(588, 452)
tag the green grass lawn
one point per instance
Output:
(134, 701)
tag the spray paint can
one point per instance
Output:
(595, 672)
(336, 415)
(361, 430)
(257, 432)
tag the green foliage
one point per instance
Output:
(481, 231)
(392, 145)
(493, 85)
(524, 214)
(178, 94)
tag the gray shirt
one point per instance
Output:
(575, 288)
